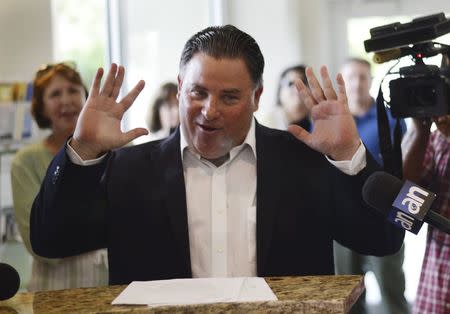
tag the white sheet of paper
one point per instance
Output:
(196, 291)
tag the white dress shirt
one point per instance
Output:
(221, 206)
(221, 211)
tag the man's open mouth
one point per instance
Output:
(207, 128)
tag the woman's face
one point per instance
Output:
(63, 101)
(290, 99)
(168, 114)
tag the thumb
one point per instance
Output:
(133, 134)
(300, 133)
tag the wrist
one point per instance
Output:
(346, 154)
(83, 150)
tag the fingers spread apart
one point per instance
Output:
(95, 86)
(314, 85)
(110, 80)
(128, 100)
(118, 82)
(305, 94)
(341, 95)
(328, 89)
(316, 92)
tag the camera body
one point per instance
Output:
(422, 90)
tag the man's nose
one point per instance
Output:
(210, 109)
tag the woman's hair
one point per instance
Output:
(166, 92)
(41, 81)
(301, 69)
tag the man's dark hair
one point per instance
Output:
(226, 42)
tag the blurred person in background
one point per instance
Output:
(290, 108)
(58, 97)
(388, 270)
(163, 117)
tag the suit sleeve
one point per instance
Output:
(68, 216)
(25, 183)
(357, 225)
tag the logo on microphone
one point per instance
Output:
(410, 206)
(406, 221)
(414, 200)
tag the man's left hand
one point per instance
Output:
(334, 130)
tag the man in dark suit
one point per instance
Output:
(223, 195)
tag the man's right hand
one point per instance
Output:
(98, 126)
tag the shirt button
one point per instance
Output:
(219, 251)
(220, 212)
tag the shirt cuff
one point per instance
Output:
(77, 160)
(355, 165)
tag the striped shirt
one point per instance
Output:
(433, 294)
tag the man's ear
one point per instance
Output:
(258, 93)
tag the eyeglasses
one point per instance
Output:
(44, 68)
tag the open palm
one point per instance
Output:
(98, 126)
(334, 133)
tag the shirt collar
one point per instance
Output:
(250, 141)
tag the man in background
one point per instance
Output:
(387, 270)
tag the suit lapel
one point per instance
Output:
(173, 176)
(268, 163)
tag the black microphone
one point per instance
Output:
(406, 205)
(9, 281)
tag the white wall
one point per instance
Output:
(25, 38)
(153, 36)
(276, 28)
(289, 32)
(25, 43)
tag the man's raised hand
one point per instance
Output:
(334, 131)
(98, 126)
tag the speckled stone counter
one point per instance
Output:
(309, 294)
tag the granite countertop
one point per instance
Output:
(306, 294)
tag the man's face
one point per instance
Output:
(217, 99)
(357, 84)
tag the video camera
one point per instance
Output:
(422, 91)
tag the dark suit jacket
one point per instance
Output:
(134, 204)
